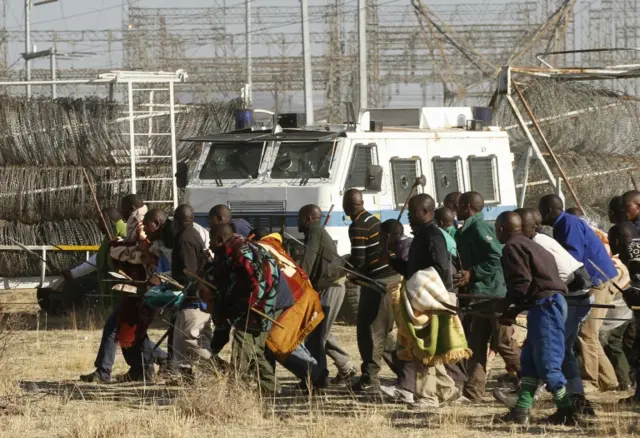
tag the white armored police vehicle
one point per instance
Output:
(266, 176)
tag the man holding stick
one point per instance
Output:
(100, 262)
(322, 264)
(481, 274)
(577, 237)
(578, 281)
(192, 333)
(246, 278)
(533, 282)
(375, 316)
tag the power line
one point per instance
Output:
(80, 14)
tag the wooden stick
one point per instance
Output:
(171, 281)
(95, 199)
(635, 307)
(124, 274)
(195, 276)
(326, 220)
(406, 202)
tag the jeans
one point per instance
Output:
(107, 350)
(544, 348)
(300, 363)
(570, 367)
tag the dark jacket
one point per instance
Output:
(188, 252)
(321, 261)
(428, 249)
(480, 253)
(530, 271)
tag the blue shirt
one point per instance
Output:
(577, 237)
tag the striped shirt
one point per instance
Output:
(367, 255)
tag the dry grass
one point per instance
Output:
(40, 378)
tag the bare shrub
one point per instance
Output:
(10, 325)
(221, 399)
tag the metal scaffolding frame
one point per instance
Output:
(508, 86)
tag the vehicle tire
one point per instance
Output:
(349, 311)
(51, 301)
(70, 297)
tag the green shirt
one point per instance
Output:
(451, 243)
(451, 230)
(481, 254)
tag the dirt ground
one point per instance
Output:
(40, 396)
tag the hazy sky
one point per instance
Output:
(108, 14)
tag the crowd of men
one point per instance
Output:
(578, 286)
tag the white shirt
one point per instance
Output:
(567, 264)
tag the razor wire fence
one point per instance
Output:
(591, 129)
(44, 147)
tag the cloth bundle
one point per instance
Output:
(427, 330)
(305, 315)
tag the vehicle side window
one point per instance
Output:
(404, 172)
(483, 173)
(447, 174)
(363, 157)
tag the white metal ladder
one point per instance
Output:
(151, 83)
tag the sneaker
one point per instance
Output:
(129, 377)
(397, 394)
(623, 387)
(509, 399)
(344, 377)
(563, 417)
(320, 384)
(582, 406)
(456, 399)
(361, 385)
(518, 416)
(95, 377)
(425, 403)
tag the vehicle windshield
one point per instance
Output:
(232, 161)
(303, 160)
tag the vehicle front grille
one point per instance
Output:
(257, 207)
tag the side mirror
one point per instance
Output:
(182, 175)
(374, 178)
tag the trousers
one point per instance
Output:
(612, 342)
(321, 342)
(544, 348)
(596, 369)
(107, 351)
(431, 383)
(576, 315)
(248, 348)
(373, 328)
(191, 337)
(485, 332)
